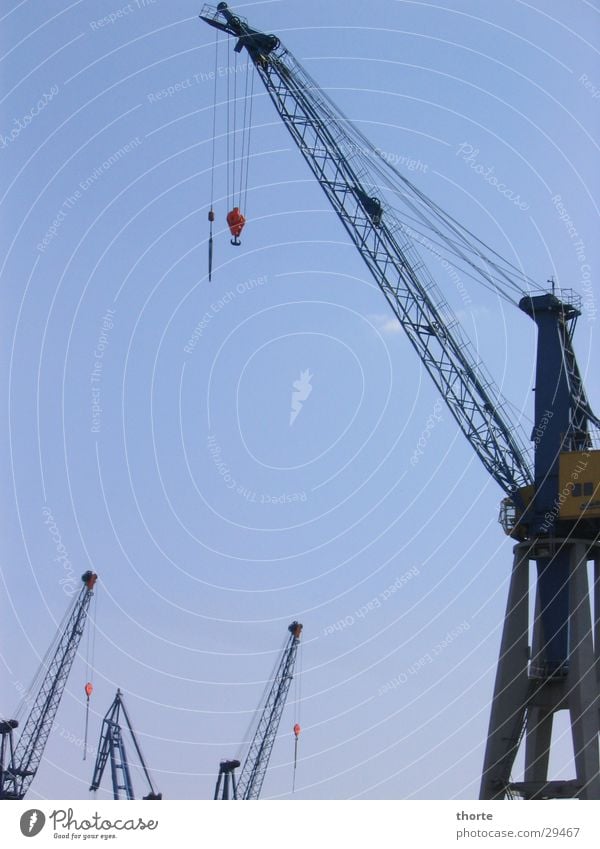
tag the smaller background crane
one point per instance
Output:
(249, 784)
(44, 697)
(112, 746)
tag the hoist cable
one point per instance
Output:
(228, 128)
(245, 200)
(245, 130)
(371, 161)
(94, 621)
(87, 651)
(214, 123)
(234, 135)
(469, 240)
(430, 244)
(28, 696)
(464, 241)
(90, 666)
(87, 723)
(242, 752)
(297, 709)
(295, 765)
(300, 664)
(211, 213)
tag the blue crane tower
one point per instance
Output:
(552, 509)
(23, 759)
(112, 745)
(251, 778)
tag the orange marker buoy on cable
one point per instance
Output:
(297, 729)
(89, 689)
(235, 222)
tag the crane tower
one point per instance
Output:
(112, 745)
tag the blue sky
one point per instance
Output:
(397, 570)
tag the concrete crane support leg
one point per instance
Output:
(582, 681)
(597, 618)
(530, 697)
(537, 743)
(539, 720)
(512, 684)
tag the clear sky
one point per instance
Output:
(116, 418)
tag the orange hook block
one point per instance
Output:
(235, 222)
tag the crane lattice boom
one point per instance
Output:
(251, 777)
(27, 754)
(322, 136)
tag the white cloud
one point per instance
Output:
(385, 323)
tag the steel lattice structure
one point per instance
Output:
(112, 745)
(330, 151)
(252, 775)
(27, 753)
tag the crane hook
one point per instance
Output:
(235, 222)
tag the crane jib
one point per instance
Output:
(324, 141)
(253, 771)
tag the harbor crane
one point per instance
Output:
(551, 507)
(250, 781)
(23, 759)
(112, 745)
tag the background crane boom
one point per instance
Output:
(55, 669)
(252, 775)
